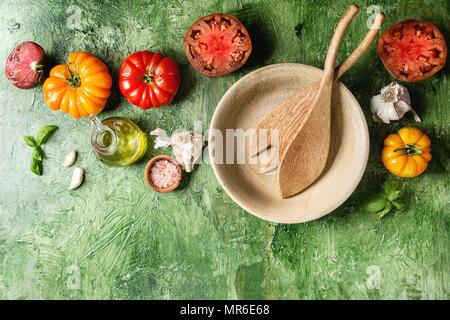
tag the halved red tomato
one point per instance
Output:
(412, 50)
(148, 79)
(217, 44)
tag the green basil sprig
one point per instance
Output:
(42, 137)
(390, 199)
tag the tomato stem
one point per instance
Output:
(147, 77)
(39, 69)
(74, 80)
(410, 150)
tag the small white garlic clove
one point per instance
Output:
(415, 116)
(77, 178)
(70, 158)
(382, 111)
(402, 107)
(403, 94)
(162, 140)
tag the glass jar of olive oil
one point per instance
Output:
(117, 141)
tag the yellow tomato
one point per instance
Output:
(80, 88)
(407, 152)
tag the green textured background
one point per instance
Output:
(128, 242)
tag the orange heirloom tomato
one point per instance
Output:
(80, 88)
(407, 152)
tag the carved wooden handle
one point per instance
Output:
(337, 39)
(362, 48)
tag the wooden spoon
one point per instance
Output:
(293, 176)
(306, 157)
(272, 120)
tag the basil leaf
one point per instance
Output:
(38, 154)
(36, 166)
(400, 206)
(375, 205)
(45, 133)
(391, 186)
(394, 195)
(29, 140)
(385, 211)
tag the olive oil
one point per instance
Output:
(117, 141)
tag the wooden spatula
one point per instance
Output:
(304, 160)
(297, 169)
(291, 113)
(272, 119)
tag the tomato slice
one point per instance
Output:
(217, 44)
(412, 50)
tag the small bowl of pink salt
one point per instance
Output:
(162, 174)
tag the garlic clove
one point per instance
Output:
(77, 178)
(402, 107)
(415, 116)
(382, 111)
(162, 140)
(403, 93)
(70, 158)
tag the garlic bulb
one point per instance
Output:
(391, 104)
(187, 146)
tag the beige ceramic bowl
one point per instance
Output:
(245, 103)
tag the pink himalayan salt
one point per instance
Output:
(164, 173)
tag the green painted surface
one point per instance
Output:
(126, 242)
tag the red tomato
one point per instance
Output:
(24, 65)
(412, 50)
(149, 79)
(217, 44)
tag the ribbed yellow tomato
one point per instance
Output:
(407, 152)
(80, 88)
